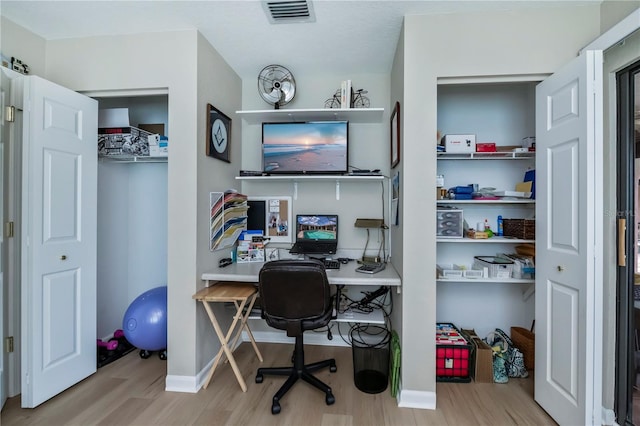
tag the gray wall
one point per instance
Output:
(505, 44)
(24, 45)
(220, 86)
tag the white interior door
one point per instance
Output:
(59, 183)
(569, 242)
(4, 98)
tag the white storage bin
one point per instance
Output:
(497, 267)
(449, 271)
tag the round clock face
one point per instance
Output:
(219, 136)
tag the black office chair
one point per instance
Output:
(295, 296)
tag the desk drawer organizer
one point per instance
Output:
(453, 354)
(449, 223)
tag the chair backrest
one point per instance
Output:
(295, 295)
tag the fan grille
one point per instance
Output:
(276, 85)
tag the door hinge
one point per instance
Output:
(8, 344)
(10, 114)
(8, 230)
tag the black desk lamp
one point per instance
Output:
(371, 224)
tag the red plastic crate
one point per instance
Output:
(453, 354)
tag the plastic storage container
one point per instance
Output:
(449, 223)
(453, 354)
(497, 267)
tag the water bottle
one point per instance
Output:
(500, 230)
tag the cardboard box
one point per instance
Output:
(153, 128)
(459, 143)
(482, 358)
(158, 146)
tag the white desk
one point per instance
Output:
(346, 275)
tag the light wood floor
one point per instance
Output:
(130, 391)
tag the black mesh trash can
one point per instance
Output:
(370, 345)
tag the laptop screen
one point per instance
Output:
(317, 227)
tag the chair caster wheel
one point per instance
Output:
(275, 408)
(333, 368)
(144, 354)
(259, 378)
(162, 355)
(330, 399)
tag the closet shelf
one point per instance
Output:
(485, 280)
(131, 159)
(502, 201)
(492, 240)
(500, 155)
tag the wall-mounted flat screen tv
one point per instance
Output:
(320, 147)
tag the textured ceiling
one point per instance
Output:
(347, 37)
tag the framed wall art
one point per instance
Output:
(218, 134)
(395, 135)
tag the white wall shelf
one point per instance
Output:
(492, 240)
(131, 159)
(485, 280)
(474, 202)
(295, 179)
(353, 115)
(502, 155)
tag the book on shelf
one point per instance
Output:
(346, 94)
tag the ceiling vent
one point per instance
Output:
(289, 11)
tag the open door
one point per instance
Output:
(59, 209)
(4, 98)
(568, 373)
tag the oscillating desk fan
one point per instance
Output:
(276, 85)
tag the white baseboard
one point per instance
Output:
(186, 384)
(417, 399)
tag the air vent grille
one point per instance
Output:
(289, 11)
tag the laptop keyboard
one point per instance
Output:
(313, 248)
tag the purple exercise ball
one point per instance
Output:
(145, 322)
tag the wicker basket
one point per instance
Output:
(519, 228)
(525, 340)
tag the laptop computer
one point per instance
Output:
(316, 234)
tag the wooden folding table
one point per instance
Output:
(241, 294)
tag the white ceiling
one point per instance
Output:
(348, 37)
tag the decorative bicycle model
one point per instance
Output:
(358, 100)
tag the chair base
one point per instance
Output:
(298, 371)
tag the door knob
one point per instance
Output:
(63, 257)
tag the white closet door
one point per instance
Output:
(59, 183)
(569, 242)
